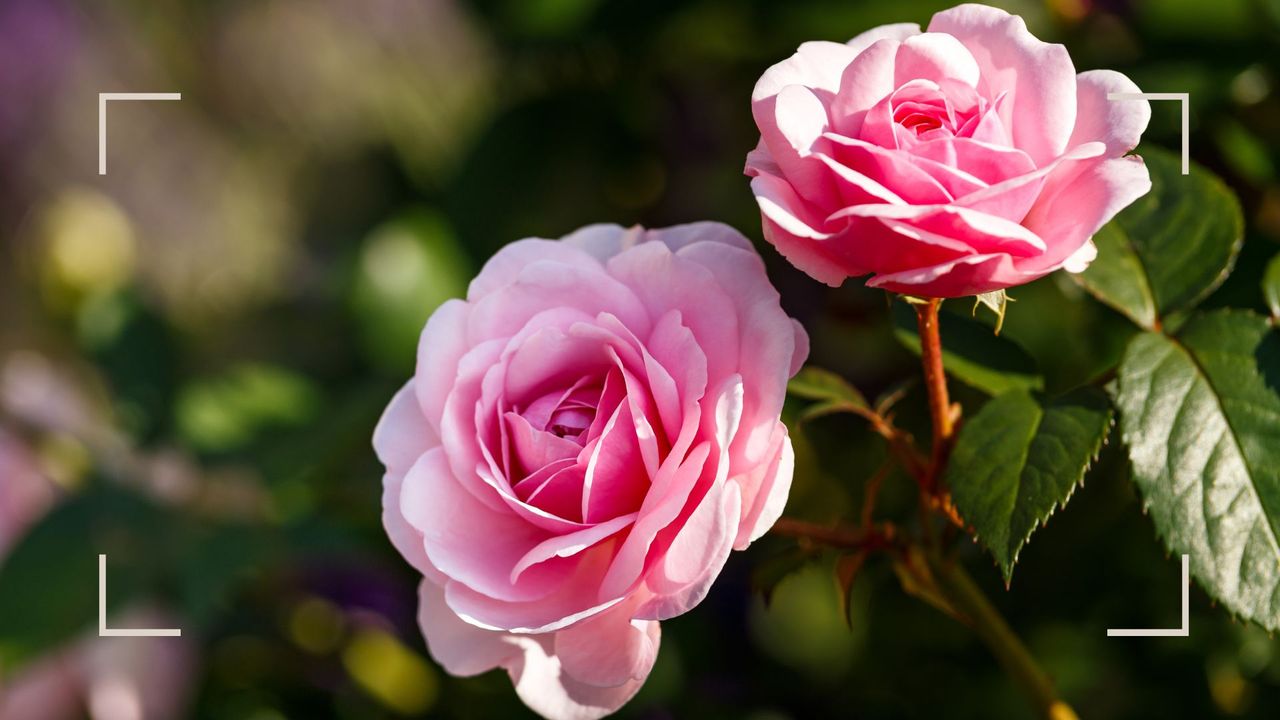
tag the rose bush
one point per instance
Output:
(965, 159)
(585, 439)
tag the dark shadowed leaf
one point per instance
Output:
(972, 353)
(1200, 414)
(49, 583)
(1171, 248)
(766, 575)
(1019, 459)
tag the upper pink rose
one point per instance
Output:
(962, 160)
(587, 436)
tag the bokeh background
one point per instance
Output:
(194, 349)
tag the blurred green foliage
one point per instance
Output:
(232, 305)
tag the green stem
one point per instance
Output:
(986, 621)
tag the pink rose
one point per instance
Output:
(962, 160)
(587, 436)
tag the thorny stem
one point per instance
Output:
(874, 537)
(967, 601)
(872, 492)
(900, 443)
(941, 410)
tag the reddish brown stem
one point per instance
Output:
(900, 443)
(935, 381)
(873, 537)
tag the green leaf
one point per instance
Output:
(1200, 415)
(1117, 278)
(1018, 460)
(833, 393)
(972, 353)
(814, 383)
(49, 583)
(1271, 286)
(1172, 247)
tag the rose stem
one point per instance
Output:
(987, 623)
(840, 537)
(935, 381)
(955, 582)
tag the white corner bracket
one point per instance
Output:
(1185, 98)
(103, 630)
(1185, 630)
(103, 98)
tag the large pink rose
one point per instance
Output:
(587, 436)
(962, 160)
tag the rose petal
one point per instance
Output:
(1080, 259)
(867, 80)
(768, 347)
(764, 492)
(440, 347)
(988, 164)
(1075, 204)
(460, 648)
(551, 359)
(1039, 78)
(403, 433)
(1013, 198)
(562, 546)
(790, 123)
(695, 556)
(857, 188)
(934, 56)
(1117, 123)
(575, 598)
(670, 491)
(546, 687)
(466, 540)
(664, 282)
(893, 169)
(615, 482)
(535, 449)
(816, 65)
(610, 649)
(543, 286)
(893, 31)
(950, 223)
(506, 265)
(966, 276)
(678, 237)
(604, 240)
